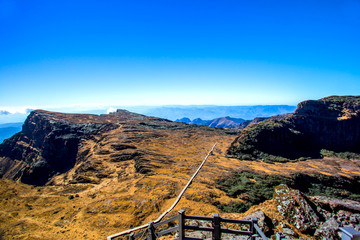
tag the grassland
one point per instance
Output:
(131, 192)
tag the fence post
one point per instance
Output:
(252, 229)
(151, 231)
(181, 224)
(216, 227)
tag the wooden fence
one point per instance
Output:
(154, 229)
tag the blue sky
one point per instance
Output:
(66, 54)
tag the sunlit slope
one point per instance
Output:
(125, 175)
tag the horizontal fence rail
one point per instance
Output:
(153, 231)
(129, 231)
(254, 232)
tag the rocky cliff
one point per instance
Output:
(331, 123)
(125, 169)
(47, 145)
(55, 148)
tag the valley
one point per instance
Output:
(122, 170)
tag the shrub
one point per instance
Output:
(342, 155)
(258, 188)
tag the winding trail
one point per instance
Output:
(172, 206)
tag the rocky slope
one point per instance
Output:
(92, 176)
(331, 123)
(46, 146)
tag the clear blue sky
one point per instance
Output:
(62, 53)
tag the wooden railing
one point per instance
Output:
(154, 230)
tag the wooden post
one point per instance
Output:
(151, 231)
(252, 228)
(217, 228)
(181, 224)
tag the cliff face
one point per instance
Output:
(47, 145)
(331, 123)
(126, 170)
(58, 148)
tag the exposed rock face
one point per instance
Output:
(264, 222)
(58, 148)
(318, 216)
(46, 146)
(331, 123)
(328, 230)
(294, 207)
(335, 205)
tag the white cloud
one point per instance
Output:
(16, 110)
(111, 110)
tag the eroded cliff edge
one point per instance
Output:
(331, 123)
(47, 145)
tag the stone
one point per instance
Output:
(289, 232)
(47, 146)
(264, 222)
(342, 206)
(293, 206)
(328, 230)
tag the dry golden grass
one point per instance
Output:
(125, 198)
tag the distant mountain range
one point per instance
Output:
(213, 112)
(223, 122)
(228, 122)
(9, 129)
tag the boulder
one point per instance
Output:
(264, 222)
(328, 230)
(334, 205)
(295, 209)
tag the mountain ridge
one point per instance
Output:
(124, 169)
(213, 112)
(223, 122)
(330, 123)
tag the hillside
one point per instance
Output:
(325, 127)
(80, 176)
(223, 122)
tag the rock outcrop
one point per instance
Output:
(317, 216)
(58, 148)
(331, 123)
(46, 146)
(295, 208)
(335, 205)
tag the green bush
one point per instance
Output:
(253, 188)
(257, 188)
(342, 155)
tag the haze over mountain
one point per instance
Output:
(85, 176)
(170, 112)
(9, 129)
(212, 112)
(223, 122)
